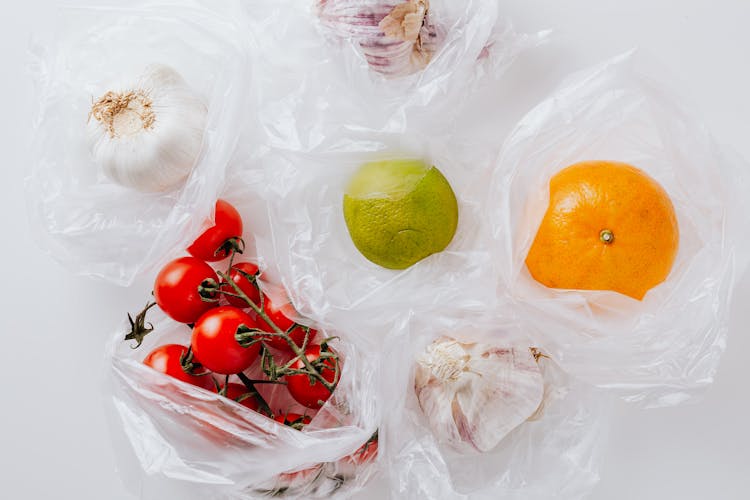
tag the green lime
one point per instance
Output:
(400, 211)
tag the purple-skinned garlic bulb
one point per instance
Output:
(473, 394)
(395, 36)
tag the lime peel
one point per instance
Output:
(399, 212)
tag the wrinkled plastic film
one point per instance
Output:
(83, 219)
(185, 433)
(324, 112)
(314, 67)
(555, 450)
(323, 270)
(663, 349)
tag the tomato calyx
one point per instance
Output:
(177, 287)
(297, 424)
(246, 336)
(209, 290)
(231, 246)
(190, 365)
(138, 326)
(211, 245)
(293, 420)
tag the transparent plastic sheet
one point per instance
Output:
(183, 434)
(323, 113)
(314, 71)
(465, 37)
(309, 248)
(666, 348)
(85, 221)
(554, 453)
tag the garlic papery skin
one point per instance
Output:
(395, 36)
(473, 394)
(148, 136)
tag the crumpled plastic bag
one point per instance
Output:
(555, 452)
(666, 348)
(183, 433)
(322, 113)
(82, 219)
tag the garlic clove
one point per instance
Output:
(148, 136)
(474, 394)
(395, 36)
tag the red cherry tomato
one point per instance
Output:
(214, 343)
(293, 420)
(299, 386)
(211, 245)
(247, 287)
(167, 359)
(176, 289)
(280, 314)
(240, 394)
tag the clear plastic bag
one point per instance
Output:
(314, 74)
(663, 349)
(183, 433)
(323, 113)
(309, 248)
(87, 222)
(555, 450)
(461, 38)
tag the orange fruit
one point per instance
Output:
(609, 226)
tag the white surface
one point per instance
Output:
(54, 442)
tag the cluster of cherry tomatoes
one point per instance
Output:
(234, 326)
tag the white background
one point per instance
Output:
(54, 440)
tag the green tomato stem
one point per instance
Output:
(251, 387)
(298, 352)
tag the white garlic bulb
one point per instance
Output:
(148, 136)
(474, 394)
(395, 36)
